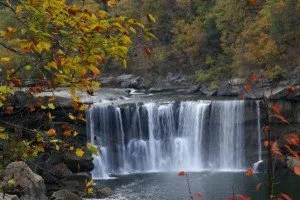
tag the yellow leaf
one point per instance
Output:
(5, 59)
(112, 3)
(150, 18)
(3, 136)
(19, 9)
(72, 117)
(41, 46)
(11, 182)
(90, 190)
(79, 152)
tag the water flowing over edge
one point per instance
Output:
(173, 136)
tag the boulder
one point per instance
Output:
(64, 195)
(103, 193)
(208, 91)
(229, 91)
(8, 197)
(136, 83)
(76, 182)
(124, 77)
(194, 89)
(79, 164)
(53, 173)
(236, 82)
(31, 184)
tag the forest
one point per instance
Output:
(218, 39)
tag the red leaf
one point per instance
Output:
(242, 197)
(281, 118)
(198, 195)
(265, 129)
(248, 87)
(241, 96)
(181, 173)
(285, 196)
(230, 198)
(277, 108)
(290, 90)
(16, 82)
(266, 143)
(253, 78)
(250, 172)
(9, 109)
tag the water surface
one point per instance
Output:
(213, 185)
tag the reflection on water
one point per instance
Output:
(213, 185)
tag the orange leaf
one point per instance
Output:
(297, 170)
(281, 118)
(285, 196)
(250, 172)
(248, 87)
(198, 195)
(51, 132)
(67, 133)
(10, 31)
(181, 173)
(276, 149)
(95, 70)
(147, 51)
(258, 186)
(31, 107)
(277, 108)
(252, 2)
(266, 143)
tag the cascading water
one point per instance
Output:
(153, 137)
(255, 165)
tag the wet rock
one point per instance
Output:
(31, 184)
(64, 195)
(8, 197)
(79, 164)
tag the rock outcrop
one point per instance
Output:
(30, 185)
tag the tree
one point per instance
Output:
(48, 44)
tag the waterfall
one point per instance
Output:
(259, 149)
(171, 136)
(227, 135)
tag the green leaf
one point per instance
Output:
(28, 67)
(51, 106)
